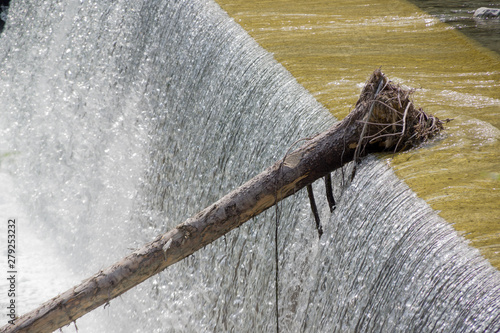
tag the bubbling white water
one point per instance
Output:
(128, 118)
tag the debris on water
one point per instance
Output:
(395, 123)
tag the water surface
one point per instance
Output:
(122, 119)
(459, 15)
(331, 47)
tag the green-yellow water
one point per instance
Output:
(331, 47)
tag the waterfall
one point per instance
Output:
(122, 119)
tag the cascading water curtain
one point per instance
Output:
(125, 118)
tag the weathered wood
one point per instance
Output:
(329, 193)
(314, 209)
(318, 157)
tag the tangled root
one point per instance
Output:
(394, 122)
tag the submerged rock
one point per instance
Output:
(485, 12)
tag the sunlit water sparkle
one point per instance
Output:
(128, 118)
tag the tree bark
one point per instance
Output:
(318, 157)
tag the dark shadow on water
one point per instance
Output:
(459, 14)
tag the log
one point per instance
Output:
(384, 115)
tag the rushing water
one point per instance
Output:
(122, 119)
(330, 46)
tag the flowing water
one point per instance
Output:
(460, 15)
(122, 119)
(330, 46)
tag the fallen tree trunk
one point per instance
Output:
(384, 118)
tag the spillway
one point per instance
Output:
(122, 119)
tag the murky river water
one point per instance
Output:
(332, 46)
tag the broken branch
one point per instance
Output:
(315, 159)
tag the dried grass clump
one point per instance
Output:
(393, 122)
